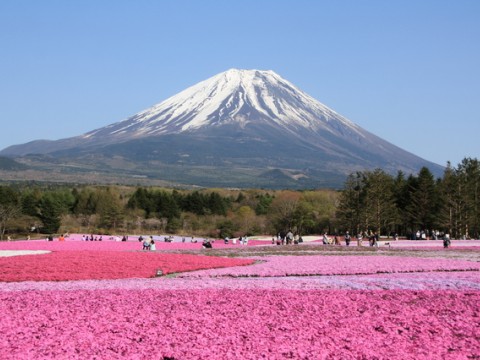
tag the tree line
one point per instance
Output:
(376, 201)
(369, 200)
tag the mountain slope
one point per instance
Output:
(237, 119)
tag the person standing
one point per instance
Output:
(336, 239)
(359, 239)
(289, 237)
(347, 239)
(446, 240)
(325, 240)
(146, 245)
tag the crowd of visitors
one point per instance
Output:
(91, 238)
(148, 243)
(282, 238)
(287, 238)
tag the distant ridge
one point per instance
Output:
(9, 164)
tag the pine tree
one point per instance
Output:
(50, 214)
(380, 201)
(350, 209)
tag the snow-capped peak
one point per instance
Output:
(231, 97)
(238, 124)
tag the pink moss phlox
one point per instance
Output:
(82, 265)
(239, 324)
(339, 265)
(75, 244)
(463, 280)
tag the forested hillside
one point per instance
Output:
(370, 201)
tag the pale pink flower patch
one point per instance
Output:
(452, 280)
(339, 265)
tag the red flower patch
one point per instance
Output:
(96, 265)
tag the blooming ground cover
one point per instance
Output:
(462, 280)
(82, 265)
(352, 305)
(239, 324)
(339, 265)
(109, 245)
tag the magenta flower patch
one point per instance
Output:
(110, 245)
(239, 324)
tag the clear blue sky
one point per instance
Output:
(405, 70)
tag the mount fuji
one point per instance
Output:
(242, 128)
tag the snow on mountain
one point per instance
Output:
(238, 128)
(236, 97)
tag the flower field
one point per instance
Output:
(338, 265)
(102, 300)
(97, 265)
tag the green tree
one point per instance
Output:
(368, 202)
(9, 207)
(468, 172)
(451, 204)
(165, 205)
(174, 225)
(50, 213)
(350, 210)
(316, 211)
(196, 203)
(226, 228)
(30, 200)
(110, 209)
(380, 201)
(142, 199)
(246, 218)
(402, 199)
(217, 204)
(424, 201)
(85, 205)
(264, 203)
